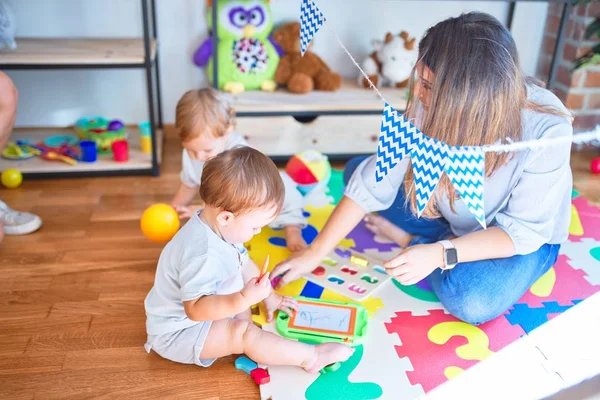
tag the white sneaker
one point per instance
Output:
(16, 222)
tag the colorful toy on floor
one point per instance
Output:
(595, 165)
(247, 58)
(323, 321)
(260, 376)
(245, 364)
(102, 131)
(159, 222)
(12, 178)
(309, 169)
(350, 273)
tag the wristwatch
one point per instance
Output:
(450, 255)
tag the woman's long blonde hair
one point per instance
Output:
(478, 93)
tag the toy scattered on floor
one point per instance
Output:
(392, 61)
(350, 273)
(260, 376)
(8, 27)
(309, 169)
(246, 57)
(12, 178)
(245, 364)
(595, 165)
(302, 73)
(102, 131)
(159, 222)
(323, 321)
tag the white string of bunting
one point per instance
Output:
(430, 158)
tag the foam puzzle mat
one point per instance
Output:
(413, 345)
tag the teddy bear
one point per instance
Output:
(392, 61)
(301, 74)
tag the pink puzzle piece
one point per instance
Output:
(570, 285)
(432, 362)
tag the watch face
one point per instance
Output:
(451, 257)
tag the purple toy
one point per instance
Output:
(115, 125)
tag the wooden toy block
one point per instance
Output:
(245, 364)
(260, 376)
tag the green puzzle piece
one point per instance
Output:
(417, 292)
(336, 386)
(336, 185)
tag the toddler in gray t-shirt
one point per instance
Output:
(205, 283)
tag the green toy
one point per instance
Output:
(247, 58)
(322, 321)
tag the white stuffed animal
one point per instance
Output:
(8, 27)
(391, 62)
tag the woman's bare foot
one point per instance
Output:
(293, 237)
(384, 228)
(328, 353)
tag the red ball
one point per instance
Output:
(595, 165)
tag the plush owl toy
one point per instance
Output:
(247, 59)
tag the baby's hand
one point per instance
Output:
(278, 302)
(255, 292)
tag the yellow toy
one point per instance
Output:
(159, 222)
(12, 178)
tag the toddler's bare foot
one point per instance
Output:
(328, 353)
(293, 237)
(384, 228)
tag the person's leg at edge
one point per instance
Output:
(399, 215)
(480, 291)
(12, 222)
(235, 336)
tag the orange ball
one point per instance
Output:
(159, 222)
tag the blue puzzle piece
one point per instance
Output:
(245, 364)
(312, 290)
(531, 318)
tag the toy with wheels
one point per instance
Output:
(247, 58)
(102, 131)
(159, 222)
(310, 170)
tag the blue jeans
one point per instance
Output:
(474, 292)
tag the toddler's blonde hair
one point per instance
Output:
(240, 180)
(201, 112)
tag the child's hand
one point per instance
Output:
(278, 302)
(186, 212)
(293, 237)
(255, 292)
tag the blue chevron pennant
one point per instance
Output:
(466, 168)
(311, 20)
(398, 137)
(428, 159)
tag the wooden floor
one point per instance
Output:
(71, 295)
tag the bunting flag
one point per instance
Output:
(428, 159)
(398, 137)
(311, 20)
(466, 168)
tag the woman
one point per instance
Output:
(467, 89)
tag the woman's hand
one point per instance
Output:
(295, 266)
(415, 263)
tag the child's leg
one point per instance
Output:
(245, 315)
(235, 336)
